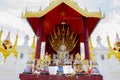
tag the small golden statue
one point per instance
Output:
(39, 66)
(42, 65)
(78, 64)
(47, 57)
(77, 59)
(46, 63)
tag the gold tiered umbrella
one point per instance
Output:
(91, 48)
(34, 48)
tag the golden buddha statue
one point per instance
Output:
(78, 64)
(39, 66)
(42, 65)
(47, 57)
(77, 59)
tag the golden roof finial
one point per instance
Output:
(101, 14)
(33, 43)
(16, 41)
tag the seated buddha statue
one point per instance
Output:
(77, 59)
(78, 64)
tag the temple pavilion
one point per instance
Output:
(63, 24)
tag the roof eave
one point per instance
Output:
(70, 3)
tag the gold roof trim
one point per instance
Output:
(70, 3)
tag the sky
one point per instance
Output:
(11, 10)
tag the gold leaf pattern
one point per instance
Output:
(61, 37)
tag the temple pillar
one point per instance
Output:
(39, 41)
(86, 37)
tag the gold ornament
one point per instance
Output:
(62, 37)
(116, 50)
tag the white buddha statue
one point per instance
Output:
(62, 50)
(66, 57)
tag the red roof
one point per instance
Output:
(62, 12)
